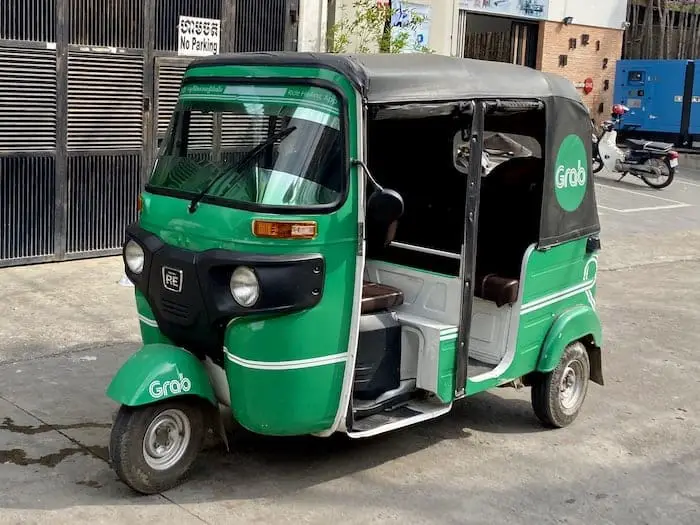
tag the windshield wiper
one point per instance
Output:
(245, 160)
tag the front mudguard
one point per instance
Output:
(158, 372)
(580, 323)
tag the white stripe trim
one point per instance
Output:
(286, 365)
(565, 291)
(555, 298)
(150, 322)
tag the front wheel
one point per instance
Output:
(153, 447)
(665, 176)
(557, 397)
(597, 164)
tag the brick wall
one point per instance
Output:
(584, 61)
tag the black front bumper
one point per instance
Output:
(190, 295)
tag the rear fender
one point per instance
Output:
(158, 372)
(580, 323)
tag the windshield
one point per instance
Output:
(216, 127)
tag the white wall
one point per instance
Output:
(313, 20)
(597, 13)
(442, 20)
(443, 14)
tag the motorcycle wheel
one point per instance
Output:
(662, 181)
(597, 164)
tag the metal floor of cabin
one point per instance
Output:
(476, 368)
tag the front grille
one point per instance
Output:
(175, 309)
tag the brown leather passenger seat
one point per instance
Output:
(500, 290)
(377, 297)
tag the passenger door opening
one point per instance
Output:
(414, 262)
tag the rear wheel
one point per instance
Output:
(153, 447)
(557, 396)
(665, 176)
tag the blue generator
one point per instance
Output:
(663, 97)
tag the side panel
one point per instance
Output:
(556, 280)
(569, 208)
(276, 387)
(654, 92)
(158, 372)
(664, 92)
(286, 372)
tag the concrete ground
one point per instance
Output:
(632, 457)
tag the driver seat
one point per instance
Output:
(384, 209)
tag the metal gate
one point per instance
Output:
(86, 91)
(498, 39)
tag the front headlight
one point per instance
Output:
(134, 257)
(244, 286)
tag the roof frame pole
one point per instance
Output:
(471, 221)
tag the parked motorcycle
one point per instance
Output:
(653, 162)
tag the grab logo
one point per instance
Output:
(571, 173)
(180, 385)
(571, 177)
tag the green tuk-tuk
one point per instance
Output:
(352, 243)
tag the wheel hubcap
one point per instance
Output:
(166, 439)
(571, 386)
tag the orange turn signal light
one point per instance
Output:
(139, 204)
(285, 229)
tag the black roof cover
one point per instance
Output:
(419, 77)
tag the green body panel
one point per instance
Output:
(297, 398)
(280, 402)
(150, 334)
(286, 402)
(158, 372)
(556, 280)
(446, 366)
(571, 325)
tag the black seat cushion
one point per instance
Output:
(376, 297)
(500, 290)
(649, 145)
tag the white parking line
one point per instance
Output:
(684, 181)
(648, 195)
(647, 208)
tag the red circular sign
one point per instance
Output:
(588, 85)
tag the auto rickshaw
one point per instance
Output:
(351, 244)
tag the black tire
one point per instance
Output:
(597, 164)
(127, 449)
(667, 182)
(546, 390)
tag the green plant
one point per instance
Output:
(367, 28)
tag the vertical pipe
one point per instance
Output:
(684, 137)
(62, 25)
(469, 248)
(149, 128)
